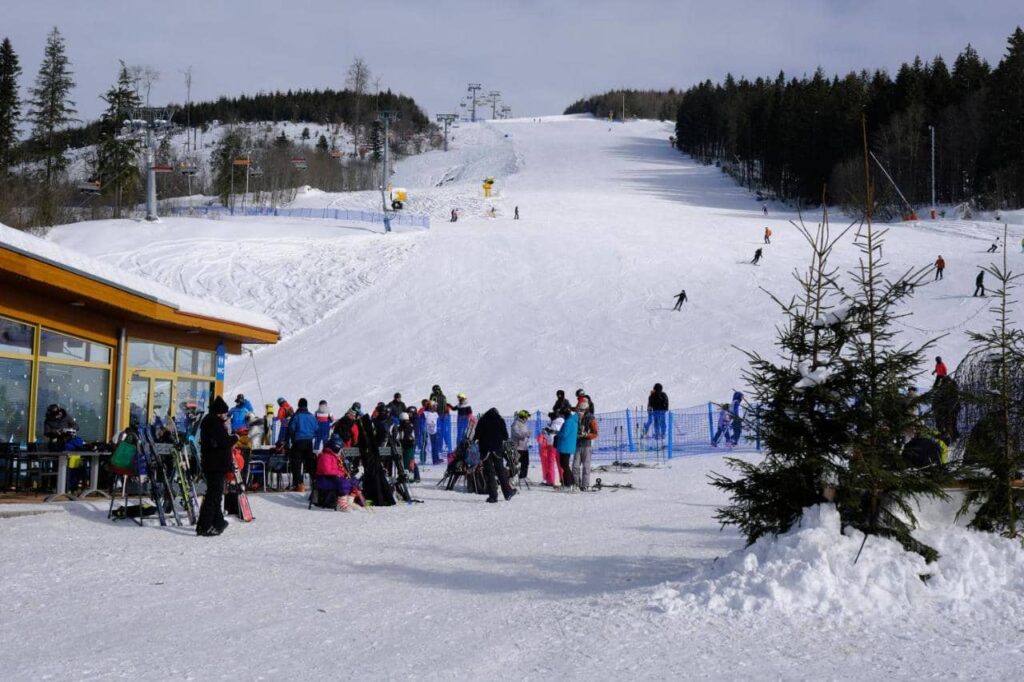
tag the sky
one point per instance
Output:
(541, 56)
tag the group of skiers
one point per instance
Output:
(730, 422)
(567, 442)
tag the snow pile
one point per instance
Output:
(811, 569)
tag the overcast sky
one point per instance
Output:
(541, 56)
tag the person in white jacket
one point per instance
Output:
(430, 422)
(521, 441)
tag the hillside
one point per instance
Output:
(577, 293)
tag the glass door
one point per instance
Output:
(150, 397)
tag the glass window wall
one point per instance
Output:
(82, 391)
(15, 337)
(146, 355)
(15, 382)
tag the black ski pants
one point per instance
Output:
(211, 511)
(565, 462)
(524, 463)
(493, 465)
(300, 456)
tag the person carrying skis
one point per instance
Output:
(724, 421)
(680, 300)
(324, 421)
(767, 235)
(491, 433)
(757, 256)
(464, 413)
(521, 441)
(302, 429)
(584, 446)
(215, 444)
(979, 284)
(940, 265)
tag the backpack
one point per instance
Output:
(121, 462)
(472, 454)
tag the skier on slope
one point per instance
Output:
(940, 265)
(516, 215)
(724, 422)
(680, 300)
(979, 284)
(767, 235)
(757, 257)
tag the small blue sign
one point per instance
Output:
(221, 361)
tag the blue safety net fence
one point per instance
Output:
(339, 214)
(639, 435)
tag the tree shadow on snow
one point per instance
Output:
(546, 576)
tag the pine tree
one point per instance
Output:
(377, 140)
(1007, 117)
(835, 415)
(876, 490)
(229, 149)
(10, 104)
(801, 401)
(994, 456)
(51, 109)
(117, 154)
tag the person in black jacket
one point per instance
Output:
(491, 434)
(657, 411)
(216, 443)
(561, 404)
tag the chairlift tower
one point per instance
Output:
(506, 111)
(154, 120)
(385, 117)
(473, 87)
(494, 97)
(446, 119)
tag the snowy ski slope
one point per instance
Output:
(577, 293)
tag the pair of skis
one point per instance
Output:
(159, 485)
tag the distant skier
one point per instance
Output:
(994, 247)
(765, 209)
(940, 265)
(516, 215)
(979, 284)
(455, 216)
(680, 300)
(767, 235)
(757, 257)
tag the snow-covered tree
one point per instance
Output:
(834, 411)
(800, 402)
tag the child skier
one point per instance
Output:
(724, 421)
(324, 420)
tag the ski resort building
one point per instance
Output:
(105, 344)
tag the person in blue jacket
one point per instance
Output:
(302, 430)
(737, 423)
(239, 414)
(565, 443)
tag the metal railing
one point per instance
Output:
(340, 214)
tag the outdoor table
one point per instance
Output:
(62, 475)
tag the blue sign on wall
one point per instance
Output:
(221, 360)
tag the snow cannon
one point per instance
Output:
(399, 195)
(488, 187)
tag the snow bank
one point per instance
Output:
(812, 569)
